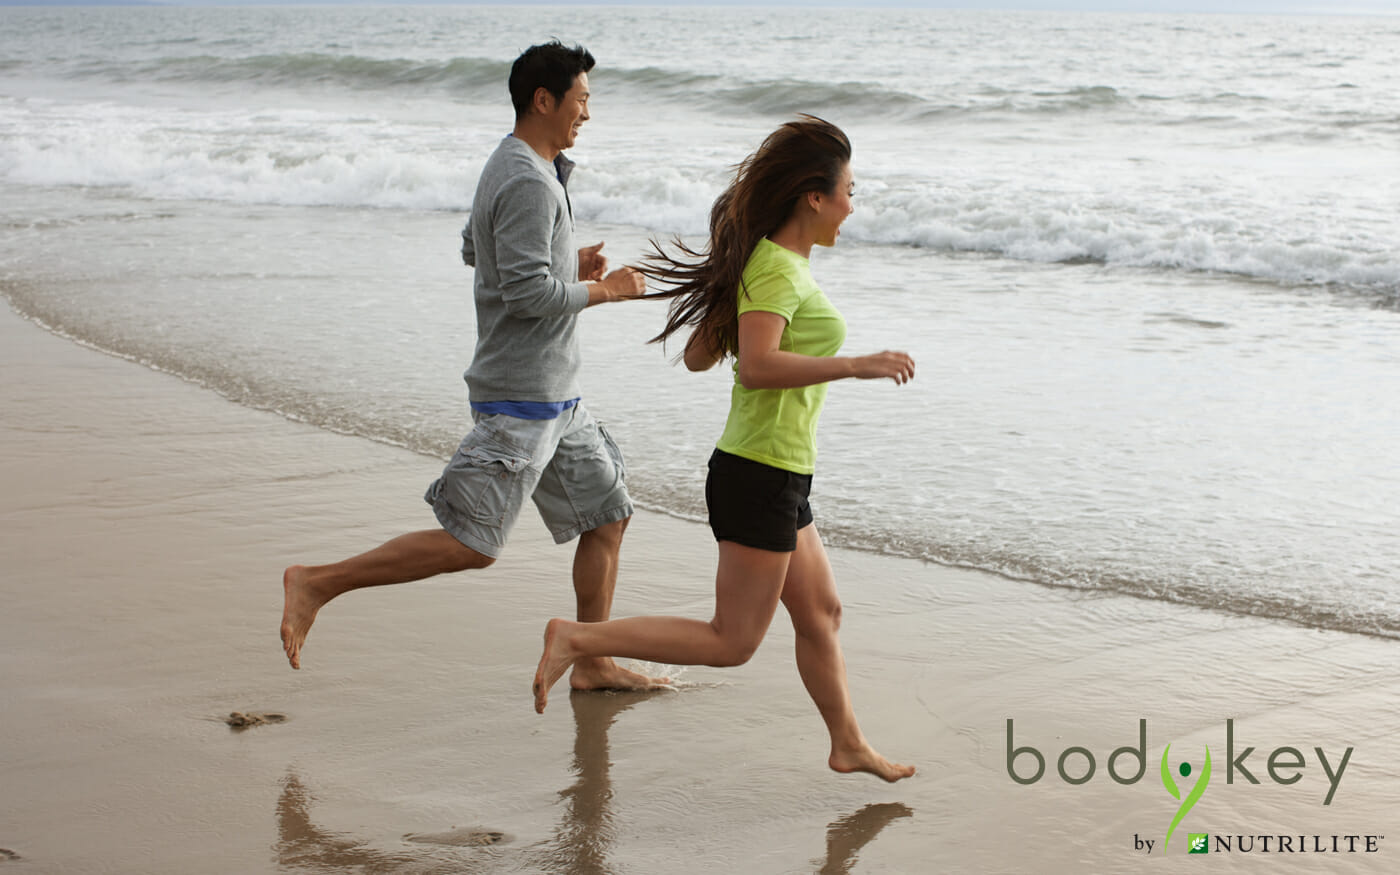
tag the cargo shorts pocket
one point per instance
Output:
(490, 482)
(611, 447)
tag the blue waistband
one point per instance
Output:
(525, 409)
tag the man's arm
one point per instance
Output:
(468, 245)
(524, 234)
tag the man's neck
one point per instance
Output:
(533, 137)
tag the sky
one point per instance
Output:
(1259, 7)
(1268, 7)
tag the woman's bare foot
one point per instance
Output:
(299, 607)
(602, 673)
(554, 661)
(865, 759)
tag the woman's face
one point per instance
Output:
(832, 209)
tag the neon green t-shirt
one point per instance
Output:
(778, 427)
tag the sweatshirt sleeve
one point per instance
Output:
(524, 231)
(468, 246)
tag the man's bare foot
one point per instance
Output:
(604, 674)
(554, 661)
(865, 759)
(299, 607)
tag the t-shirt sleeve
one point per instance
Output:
(770, 292)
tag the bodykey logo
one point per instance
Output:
(1192, 798)
(1076, 765)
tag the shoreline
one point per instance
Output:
(1272, 612)
(147, 521)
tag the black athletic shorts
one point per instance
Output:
(756, 505)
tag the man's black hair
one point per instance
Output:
(552, 66)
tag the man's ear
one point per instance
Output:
(543, 101)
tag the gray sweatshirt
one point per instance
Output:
(520, 239)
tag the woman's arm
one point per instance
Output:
(762, 365)
(701, 351)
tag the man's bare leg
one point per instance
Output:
(415, 556)
(809, 594)
(595, 579)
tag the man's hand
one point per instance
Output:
(592, 263)
(620, 285)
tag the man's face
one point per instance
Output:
(567, 115)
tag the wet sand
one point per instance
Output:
(146, 523)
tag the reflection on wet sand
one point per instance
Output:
(586, 834)
(845, 837)
(303, 845)
(582, 843)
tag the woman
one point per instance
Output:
(752, 296)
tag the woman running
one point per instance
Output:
(752, 296)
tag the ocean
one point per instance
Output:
(1148, 265)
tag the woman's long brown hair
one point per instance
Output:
(802, 156)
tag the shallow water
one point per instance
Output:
(1146, 264)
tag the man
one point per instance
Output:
(532, 436)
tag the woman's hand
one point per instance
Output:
(898, 366)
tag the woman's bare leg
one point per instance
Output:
(809, 594)
(747, 588)
(595, 579)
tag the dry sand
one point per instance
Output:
(146, 523)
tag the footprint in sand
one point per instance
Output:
(459, 837)
(7, 855)
(241, 720)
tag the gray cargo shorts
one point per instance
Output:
(568, 465)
